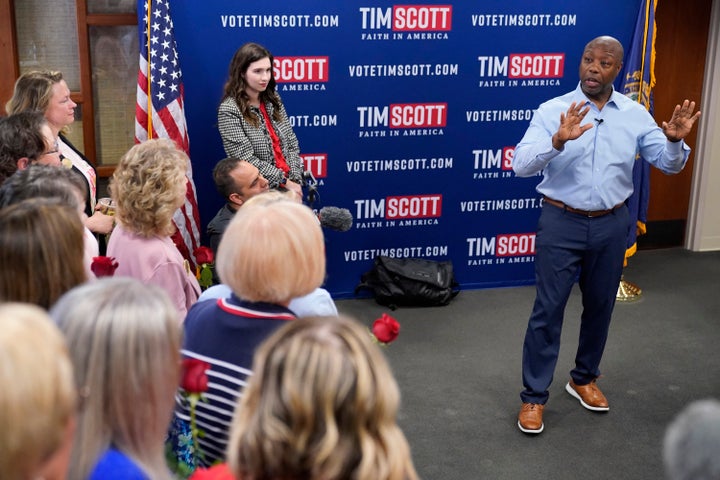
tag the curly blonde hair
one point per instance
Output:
(321, 403)
(148, 186)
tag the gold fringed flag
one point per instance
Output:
(638, 81)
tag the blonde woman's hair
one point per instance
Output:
(272, 251)
(33, 91)
(148, 186)
(124, 339)
(322, 404)
(39, 397)
(41, 251)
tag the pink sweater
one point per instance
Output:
(155, 261)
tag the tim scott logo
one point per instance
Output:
(497, 159)
(503, 245)
(523, 65)
(404, 115)
(400, 207)
(408, 18)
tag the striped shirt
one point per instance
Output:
(225, 334)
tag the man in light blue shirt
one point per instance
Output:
(585, 143)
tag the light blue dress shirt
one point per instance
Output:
(594, 171)
(316, 303)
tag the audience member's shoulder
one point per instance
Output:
(316, 303)
(216, 291)
(220, 221)
(201, 310)
(114, 465)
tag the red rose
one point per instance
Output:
(194, 377)
(386, 328)
(103, 266)
(203, 255)
(217, 472)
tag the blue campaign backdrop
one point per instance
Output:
(407, 114)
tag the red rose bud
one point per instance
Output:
(194, 378)
(386, 328)
(203, 255)
(103, 266)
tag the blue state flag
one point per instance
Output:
(637, 82)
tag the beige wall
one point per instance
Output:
(703, 231)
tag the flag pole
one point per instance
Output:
(158, 59)
(628, 291)
(149, 73)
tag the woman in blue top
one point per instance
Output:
(124, 340)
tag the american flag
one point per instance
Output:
(160, 112)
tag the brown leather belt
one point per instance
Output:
(584, 213)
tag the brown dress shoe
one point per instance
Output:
(530, 418)
(589, 395)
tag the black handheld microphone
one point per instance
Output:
(309, 181)
(599, 120)
(334, 218)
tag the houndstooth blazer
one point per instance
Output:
(243, 140)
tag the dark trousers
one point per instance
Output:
(570, 246)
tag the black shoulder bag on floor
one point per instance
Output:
(410, 282)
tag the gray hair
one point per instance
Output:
(38, 181)
(692, 443)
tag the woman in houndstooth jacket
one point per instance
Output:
(253, 123)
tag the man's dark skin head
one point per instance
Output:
(601, 63)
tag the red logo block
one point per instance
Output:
(315, 163)
(515, 245)
(418, 115)
(301, 69)
(507, 157)
(536, 65)
(422, 18)
(413, 206)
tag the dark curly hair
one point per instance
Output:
(236, 85)
(20, 136)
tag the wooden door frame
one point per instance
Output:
(9, 65)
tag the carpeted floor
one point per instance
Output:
(458, 368)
